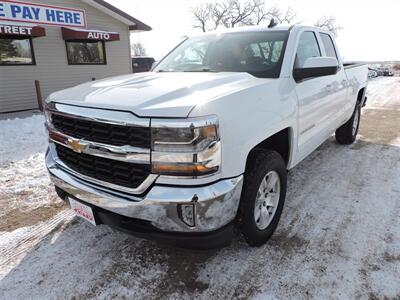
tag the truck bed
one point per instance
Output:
(356, 71)
(349, 65)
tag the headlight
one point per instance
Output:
(189, 147)
(47, 114)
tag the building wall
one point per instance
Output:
(17, 87)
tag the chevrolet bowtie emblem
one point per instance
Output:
(76, 145)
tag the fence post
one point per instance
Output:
(39, 95)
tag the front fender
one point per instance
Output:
(249, 116)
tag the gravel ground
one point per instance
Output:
(339, 235)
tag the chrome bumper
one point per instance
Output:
(215, 205)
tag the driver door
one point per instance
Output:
(314, 97)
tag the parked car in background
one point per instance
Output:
(387, 72)
(202, 144)
(372, 73)
(142, 64)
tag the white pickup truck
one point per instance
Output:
(202, 143)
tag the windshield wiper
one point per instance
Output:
(202, 70)
(188, 71)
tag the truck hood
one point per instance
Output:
(155, 94)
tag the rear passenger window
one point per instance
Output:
(308, 47)
(328, 45)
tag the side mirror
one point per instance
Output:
(315, 67)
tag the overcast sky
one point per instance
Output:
(371, 28)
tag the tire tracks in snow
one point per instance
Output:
(13, 249)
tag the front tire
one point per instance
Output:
(263, 196)
(347, 133)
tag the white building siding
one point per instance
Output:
(17, 87)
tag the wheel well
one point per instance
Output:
(360, 95)
(278, 142)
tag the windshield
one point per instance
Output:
(257, 53)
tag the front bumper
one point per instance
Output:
(143, 229)
(215, 205)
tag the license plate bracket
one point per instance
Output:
(83, 211)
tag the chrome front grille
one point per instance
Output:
(111, 171)
(106, 148)
(110, 134)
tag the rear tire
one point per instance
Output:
(347, 133)
(263, 196)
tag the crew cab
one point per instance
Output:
(202, 144)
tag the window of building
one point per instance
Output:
(86, 53)
(16, 51)
(328, 45)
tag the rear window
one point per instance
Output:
(328, 45)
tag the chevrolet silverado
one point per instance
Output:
(201, 144)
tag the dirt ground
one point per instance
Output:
(339, 236)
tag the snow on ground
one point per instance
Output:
(21, 137)
(26, 195)
(32, 193)
(339, 235)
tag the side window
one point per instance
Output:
(308, 47)
(328, 45)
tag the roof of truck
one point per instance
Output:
(254, 28)
(259, 28)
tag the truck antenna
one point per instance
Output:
(272, 23)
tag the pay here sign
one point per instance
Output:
(41, 14)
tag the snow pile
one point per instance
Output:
(25, 184)
(21, 138)
(26, 191)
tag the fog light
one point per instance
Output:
(187, 214)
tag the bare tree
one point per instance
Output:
(202, 15)
(261, 15)
(219, 13)
(329, 23)
(240, 12)
(231, 13)
(286, 17)
(138, 49)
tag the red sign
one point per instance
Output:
(22, 30)
(95, 35)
